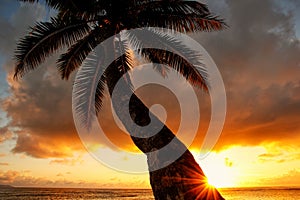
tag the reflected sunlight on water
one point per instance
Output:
(138, 194)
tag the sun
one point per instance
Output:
(220, 180)
(220, 176)
(217, 172)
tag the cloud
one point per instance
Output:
(269, 155)
(39, 106)
(17, 178)
(258, 57)
(44, 147)
(228, 162)
(8, 176)
(280, 154)
(66, 161)
(17, 25)
(5, 134)
(262, 115)
(4, 164)
(290, 178)
(22, 178)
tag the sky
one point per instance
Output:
(258, 58)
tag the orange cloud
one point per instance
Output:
(66, 161)
(280, 154)
(8, 176)
(5, 134)
(258, 57)
(4, 164)
(290, 178)
(22, 178)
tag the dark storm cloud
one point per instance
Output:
(258, 57)
(39, 106)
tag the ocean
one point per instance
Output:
(139, 194)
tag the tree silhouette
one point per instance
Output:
(81, 26)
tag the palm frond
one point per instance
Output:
(100, 91)
(158, 66)
(30, 1)
(56, 4)
(77, 53)
(117, 69)
(88, 10)
(182, 66)
(123, 63)
(121, 66)
(182, 23)
(173, 53)
(44, 39)
(59, 4)
(85, 85)
(86, 101)
(82, 9)
(182, 16)
(172, 6)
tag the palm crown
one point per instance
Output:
(80, 26)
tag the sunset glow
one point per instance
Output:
(258, 58)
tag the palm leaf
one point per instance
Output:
(182, 16)
(83, 9)
(59, 4)
(121, 63)
(100, 91)
(44, 39)
(86, 101)
(77, 53)
(176, 54)
(86, 84)
(182, 66)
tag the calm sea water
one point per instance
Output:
(108, 194)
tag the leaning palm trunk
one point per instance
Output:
(180, 178)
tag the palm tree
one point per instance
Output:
(80, 26)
